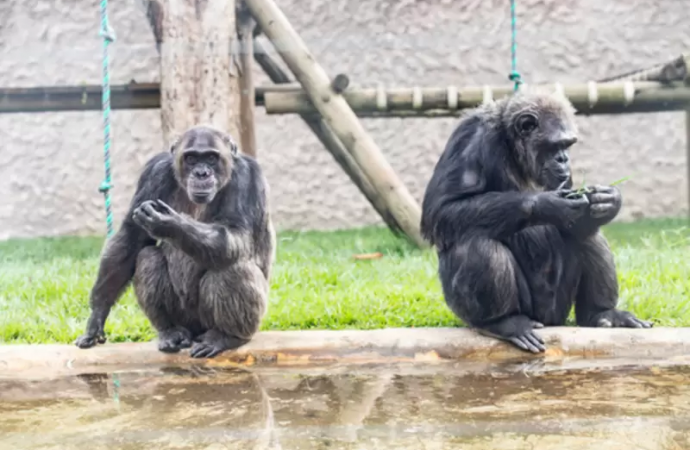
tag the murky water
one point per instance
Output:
(431, 406)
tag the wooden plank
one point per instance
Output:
(339, 117)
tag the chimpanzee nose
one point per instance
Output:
(202, 172)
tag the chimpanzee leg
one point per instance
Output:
(159, 302)
(232, 303)
(485, 287)
(597, 294)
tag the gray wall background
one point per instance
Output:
(51, 163)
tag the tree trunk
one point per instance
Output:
(197, 80)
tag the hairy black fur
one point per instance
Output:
(198, 244)
(514, 252)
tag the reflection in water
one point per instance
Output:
(352, 408)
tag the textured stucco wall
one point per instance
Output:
(51, 163)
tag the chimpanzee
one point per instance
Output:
(198, 244)
(517, 245)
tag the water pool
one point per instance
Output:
(423, 405)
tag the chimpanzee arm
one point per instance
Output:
(212, 245)
(118, 259)
(236, 217)
(473, 191)
(498, 215)
(494, 215)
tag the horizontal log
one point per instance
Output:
(648, 97)
(566, 346)
(587, 98)
(88, 97)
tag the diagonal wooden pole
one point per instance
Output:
(245, 34)
(339, 117)
(329, 140)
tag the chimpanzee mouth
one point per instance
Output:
(562, 176)
(202, 197)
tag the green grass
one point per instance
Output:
(45, 283)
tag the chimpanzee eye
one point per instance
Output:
(190, 159)
(527, 123)
(212, 159)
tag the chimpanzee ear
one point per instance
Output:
(174, 143)
(230, 143)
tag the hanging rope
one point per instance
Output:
(514, 74)
(108, 37)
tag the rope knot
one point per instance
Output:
(105, 187)
(107, 33)
(516, 78)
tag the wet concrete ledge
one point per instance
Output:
(318, 347)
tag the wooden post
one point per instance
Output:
(196, 55)
(339, 117)
(330, 140)
(245, 32)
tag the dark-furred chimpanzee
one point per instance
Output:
(197, 242)
(516, 244)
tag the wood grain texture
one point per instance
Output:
(197, 85)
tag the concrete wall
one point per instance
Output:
(51, 163)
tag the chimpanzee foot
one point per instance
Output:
(94, 333)
(213, 342)
(174, 339)
(614, 318)
(518, 330)
(88, 340)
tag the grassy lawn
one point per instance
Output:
(45, 283)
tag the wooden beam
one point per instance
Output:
(601, 98)
(339, 117)
(650, 97)
(78, 98)
(88, 97)
(245, 33)
(330, 141)
(674, 70)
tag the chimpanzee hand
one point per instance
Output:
(604, 202)
(561, 208)
(157, 218)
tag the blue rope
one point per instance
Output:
(514, 74)
(108, 37)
